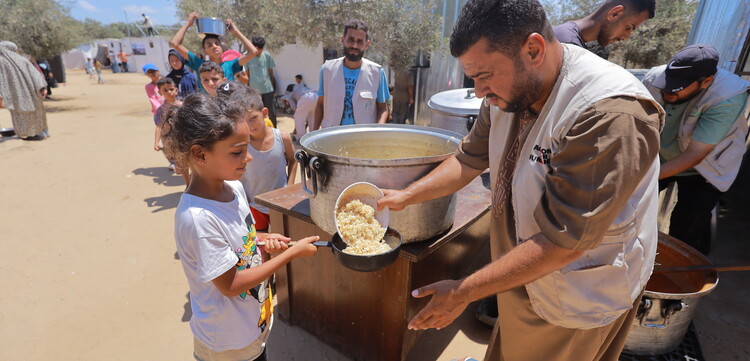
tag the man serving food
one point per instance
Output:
(571, 141)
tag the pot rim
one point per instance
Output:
(447, 135)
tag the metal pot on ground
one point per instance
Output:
(670, 300)
(387, 155)
(455, 110)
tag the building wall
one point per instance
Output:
(723, 24)
(295, 59)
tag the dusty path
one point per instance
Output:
(87, 254)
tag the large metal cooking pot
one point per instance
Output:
(455, 110)
(670, 300)
(214, 26)
(387, 155)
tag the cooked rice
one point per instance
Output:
(360, 230)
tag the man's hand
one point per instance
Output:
(43, 92)
(393, 199)
(444, 307)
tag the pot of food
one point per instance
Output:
(389, 156)
(214, 26)
(455, 110)
(670, 299)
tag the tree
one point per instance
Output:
(655, 41)
(398, 28)
(658, 39)
(93, 29)
(41, 28)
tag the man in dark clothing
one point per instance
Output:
(614, 21)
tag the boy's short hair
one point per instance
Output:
(209, 66)
(298, 76)
(259, 41)
(211, 36)
(239, 99)
(164, 81)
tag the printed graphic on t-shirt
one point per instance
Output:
(249, 256)
(350, 82)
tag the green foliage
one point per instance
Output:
(398, 28)
(93, 29)
(658, 39)
(653, 43)
(41, 28)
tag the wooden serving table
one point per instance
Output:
(364, 315)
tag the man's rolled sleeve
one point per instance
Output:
(597, 167)
(474, 149)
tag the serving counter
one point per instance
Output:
(365, 315)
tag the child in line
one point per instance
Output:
(226, 89)
(184, 79)
(215, 234)
(152, 91)
(211, 76)
(212, 48)
(168, 90)
(272, 149)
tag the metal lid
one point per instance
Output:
(460, 102)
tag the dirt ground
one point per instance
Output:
(88, 256)
(87, 251)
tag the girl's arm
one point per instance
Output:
(251, 49)
(234, 282)
(291, 164)
(176, 41)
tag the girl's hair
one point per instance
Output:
(239, 99)
(199, 121)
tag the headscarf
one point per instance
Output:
(184, 80)
(20, 81)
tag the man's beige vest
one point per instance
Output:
(603, 283)
(721, 165)
(363, 99)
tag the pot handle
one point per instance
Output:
(309, 168)
(302, 159)
(670, 308)
(470, 122)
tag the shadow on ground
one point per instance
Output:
(167, 201)
(161, 175)
(188, 310)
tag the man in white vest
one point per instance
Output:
(703, 140)
(571, 142)
(353, 90)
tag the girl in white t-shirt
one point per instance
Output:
(216, 240)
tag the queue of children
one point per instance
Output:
(217, 134)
